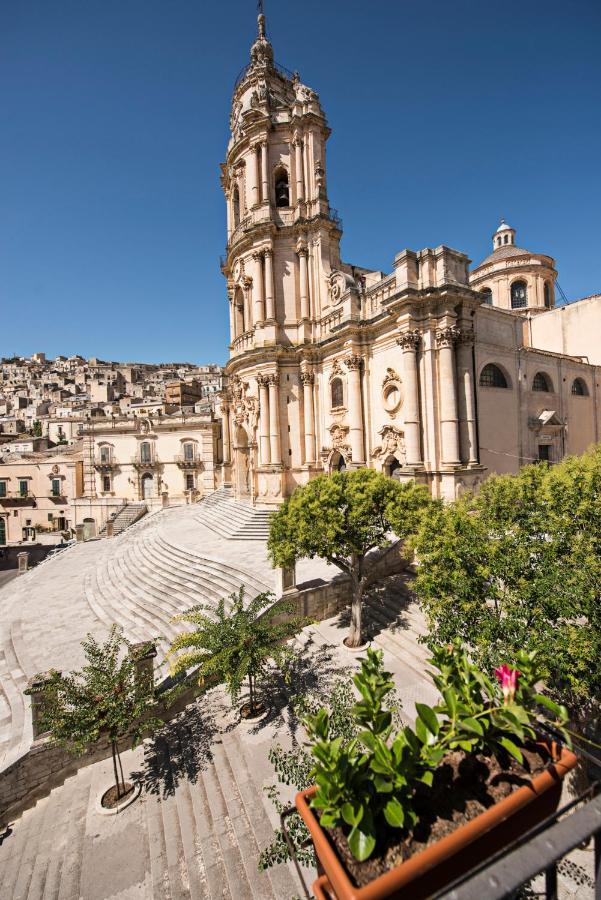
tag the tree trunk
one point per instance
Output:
(114, 754)
(120, 767)
(355, 635)
(251, 690)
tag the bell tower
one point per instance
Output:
(282, 236)
(282, 248)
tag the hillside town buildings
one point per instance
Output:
(431, 372)
(71, 429)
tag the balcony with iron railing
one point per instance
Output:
(104, 462)
(145, 460)
(17, 498)
(188, 461)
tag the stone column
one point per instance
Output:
(258, 293)
(229, 214)
(232, 318)
(143, 655)
(269, 292)
(264, 445)
(298, 165)
(248, 321)
(225, 425)
(307, 379)
(36, 688)
(467, 402)
(274, 418)
(264, 177)
(256, 188)
(409, 343)
(449, 422)
(303, 281)
(355, 408)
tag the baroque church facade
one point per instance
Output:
(431, 372)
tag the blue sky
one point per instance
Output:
(114, 115)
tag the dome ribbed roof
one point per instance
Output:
(504, 252)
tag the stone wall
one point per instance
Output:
(321, 600)
(46, 765)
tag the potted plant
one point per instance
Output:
(403, 814)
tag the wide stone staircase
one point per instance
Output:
(145, 579)
(232, 519)
(124, 517)
(196, 832)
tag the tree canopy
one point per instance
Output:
(341, 518)
(519, 567)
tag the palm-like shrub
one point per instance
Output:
(233, 646)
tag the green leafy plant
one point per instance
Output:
(368, 782)
(105, 698)
(482, 715)
(235, 644)
(294, 767)
(341, 518)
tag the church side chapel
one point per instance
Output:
(431, 372)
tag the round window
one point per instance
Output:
(392, 396)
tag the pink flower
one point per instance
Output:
(508, 679)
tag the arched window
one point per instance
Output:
(506, 241)
(486, 295)
(492, 376)
(579, 388)
(541, 382)
(145, 452)
(105, 454)
(519, 295)
(236, 206)
(282, 189)
(337, 391)
(547, 295)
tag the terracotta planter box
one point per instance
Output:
(433, 868)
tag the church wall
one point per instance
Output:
(572, 329)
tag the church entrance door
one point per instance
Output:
(147, 486)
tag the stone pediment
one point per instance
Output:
(547, 420)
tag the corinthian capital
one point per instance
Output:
(262, 380)
(409, 340)
(353, 362)
(307, 377)
(446, 337)
(466, 335)
(273, 378)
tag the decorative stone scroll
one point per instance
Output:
(393, 444)
(245, 408)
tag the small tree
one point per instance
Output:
(234, 645)
(105, 698)
(37, 428)
(341, 518)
